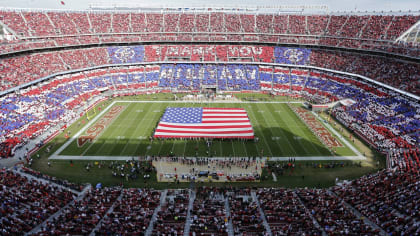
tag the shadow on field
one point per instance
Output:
(282, 142)
(274, 141)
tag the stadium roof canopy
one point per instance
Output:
(412, 35)
(208, 7)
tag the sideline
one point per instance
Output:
(124, 158)
(331, 129)
(202, 102)
(56, 155)
(74, 137)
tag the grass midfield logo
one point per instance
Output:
(93, 132)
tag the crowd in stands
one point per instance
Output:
(15, 71)
(388, 120)
(285, 213)
(173, 214)
(369, 31)
(245, 214)
(26, 202)
(333, 217)
(68, 23)
(388, 123)
(20, 70)
(132, 213)
(186, 77)
(208, 215)
(387, 200)
(84, 214)
(396, 73)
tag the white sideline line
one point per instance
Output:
(56, 156)
(338, 135)
(66, 144)
(203, 102)
(123, 158)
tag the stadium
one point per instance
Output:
(128, 119)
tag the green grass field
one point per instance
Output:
(280, 131)
(304, 175)
(281, 134)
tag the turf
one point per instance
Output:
(281, 122)
(281, 133)
(303, 175)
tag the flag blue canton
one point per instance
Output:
(184, 115)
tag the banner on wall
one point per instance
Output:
(129, 54)
(209, 52)
(295, 56)
(283, 55)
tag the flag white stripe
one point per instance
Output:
(204, 135)
(206, 124)
(215, 114)
(215, 122)
(224, 119)
(223, 110)
(204, 130)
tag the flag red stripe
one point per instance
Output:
(226, 117)
(215, 123)
(221, 112)
(198, 136)
(205, 127)
(222, 108)
(204, 132)
(223, 121)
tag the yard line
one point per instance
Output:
(117, 127)
(135, 131)
(243, 144)
(173, 145)
(146, 119)
(282, 132)
(151, 127)
(233, 148)
(291, 113)
(300, 135)
(66, 144)
(160, 148)
(329, 127)
(263, 137)
(185, 146)
(221, 149)
(103, 131)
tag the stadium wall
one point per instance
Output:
(246, 43)
(362, 78)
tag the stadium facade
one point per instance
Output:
(58, 60)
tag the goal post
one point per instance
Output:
(90, 113)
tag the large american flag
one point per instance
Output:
(198, 122)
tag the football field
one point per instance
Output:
(123, 130)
